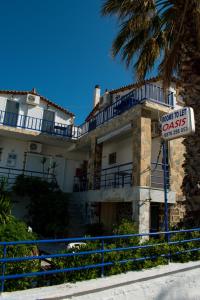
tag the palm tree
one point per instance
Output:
(166, 32)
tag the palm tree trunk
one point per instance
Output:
(190, 81)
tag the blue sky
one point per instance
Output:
(60, 47)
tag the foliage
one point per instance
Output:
(48, 209)
(15, 231)
(95, 229)
(157, 253)
(137, 259)
(5, 203)
(155, 31)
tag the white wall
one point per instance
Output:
(172, 88)
(35, 111)
(66, 163)
(123, 148)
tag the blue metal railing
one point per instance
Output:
(118, 177)
(146, 92)
(105, 246)
(37, 124)
(10, 174)
(112, 177)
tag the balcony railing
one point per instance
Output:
(146, 92)
(37, 124)
(10, 175)
(113, 177)
(118, 177)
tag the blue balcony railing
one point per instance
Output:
(112, 177)
(118, 177)
(146, 92)
(37, 124)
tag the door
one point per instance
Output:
(108, 215)
(48, 121)
(11, 113)
(37, 165)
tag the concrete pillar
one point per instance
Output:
(142, 149)
(142, 168)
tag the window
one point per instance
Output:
(112, 158)
(11, 159)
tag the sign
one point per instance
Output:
(178, 123)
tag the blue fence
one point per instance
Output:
(103, 246)
(37, 124)
(146, 92)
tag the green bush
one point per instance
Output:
(15, 231)
(5, 203)
(48, 209)
(159, 249)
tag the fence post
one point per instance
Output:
(102, 258)
(3, 269)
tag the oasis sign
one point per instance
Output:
(178, 123)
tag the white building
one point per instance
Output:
(35, 134)
(110, 164)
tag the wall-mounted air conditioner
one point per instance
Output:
(34, 147)
(33, 99)
(155, 128)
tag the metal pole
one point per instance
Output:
(3, 269)
(102, 259)
(165, 178)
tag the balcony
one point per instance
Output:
(37, 124)
(119, 177)
(10, 175)
(149, 92)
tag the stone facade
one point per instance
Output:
(142, 149)
(177, 173)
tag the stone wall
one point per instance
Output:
(142, 149)
(176, 161)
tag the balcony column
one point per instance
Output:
(142, 149)
(142, 168)
(94, 164)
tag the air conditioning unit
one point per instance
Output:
(34, 147)
(33, 99)
(155, 128)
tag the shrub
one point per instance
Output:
(14, 231)
(48, 209)
(5, 203)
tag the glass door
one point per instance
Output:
(48, 121)
(11, 113)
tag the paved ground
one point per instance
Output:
(171, 282)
